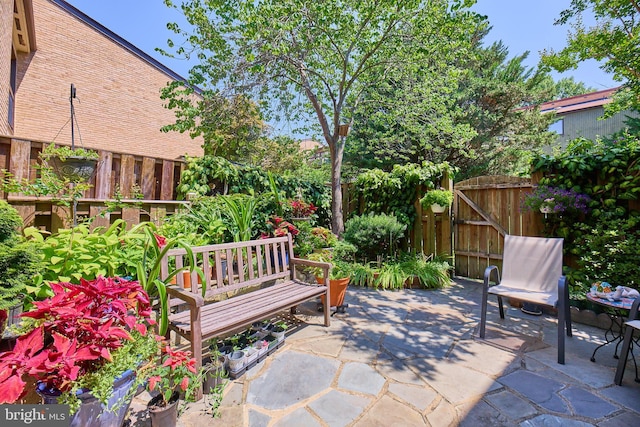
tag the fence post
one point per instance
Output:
(444, 237)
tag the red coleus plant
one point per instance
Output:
(302, 209)
(278, 227)
(74, 333)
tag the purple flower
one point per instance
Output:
(556, 200)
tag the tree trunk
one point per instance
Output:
(337, 151)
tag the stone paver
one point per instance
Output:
(289, 380)
(339, 409)
(411, 358)
(587, 404)
(388, 412)
(511, 405)
(539, 390)
(361, 378)
(419, 397)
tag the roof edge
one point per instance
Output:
(119, 40)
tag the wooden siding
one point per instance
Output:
(157, 178)
(588, 124)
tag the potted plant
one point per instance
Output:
(339, 277)
(548, 200)
(213, 370)
(174, 375)
(83, 346)
(438, 200)
(278, 330)
(73, 164)
(301, 210)
(18, 265)
(149, 269)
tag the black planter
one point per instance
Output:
(214, 375)
(164, 416)
(76, 169)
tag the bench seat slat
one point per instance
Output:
(240, 308)
(267, 261)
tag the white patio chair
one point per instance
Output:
(531, 272)
(630, 326)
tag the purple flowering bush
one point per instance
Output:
(548, 199)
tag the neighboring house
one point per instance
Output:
(580, 116)
(317, 150)
(47, 45)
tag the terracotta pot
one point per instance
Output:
(337, 288)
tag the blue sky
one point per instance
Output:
(522, 25)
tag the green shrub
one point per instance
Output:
(200, 224)
(431, 274)
(608, 251)
(19, 262)
(10, 222)
(374, 235)
(79, 252)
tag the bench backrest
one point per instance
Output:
(231, 266)
(532, 263)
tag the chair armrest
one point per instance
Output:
(633, 312)
(189, 297)
(487, 275)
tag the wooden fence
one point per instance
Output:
(121, 173)
(485, 209)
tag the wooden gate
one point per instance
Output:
(485, 209)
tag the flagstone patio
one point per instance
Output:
(412, 358)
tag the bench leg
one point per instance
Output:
(327, 312)
(196, 344)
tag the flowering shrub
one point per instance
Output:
(555, 200)
(301, 209)
(278, 227)
(177, 370)
(77, 338)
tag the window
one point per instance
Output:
(557, 127)
(12, 90)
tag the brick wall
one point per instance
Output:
(6, 28)
(118, 107)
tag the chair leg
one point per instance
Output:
(622, 360)
(485, 296)
(501, 306)
(562, 321)
(483, 309)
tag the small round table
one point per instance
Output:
(618, 312)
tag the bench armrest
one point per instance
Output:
(186, 296)
(307, 262)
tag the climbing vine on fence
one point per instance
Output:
(395, 192)
(604, 242)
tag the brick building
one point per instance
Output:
(45, 46)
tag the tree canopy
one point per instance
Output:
(614, 39)
(468, 111)
(296, 56)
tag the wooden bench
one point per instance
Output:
(245, 282)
